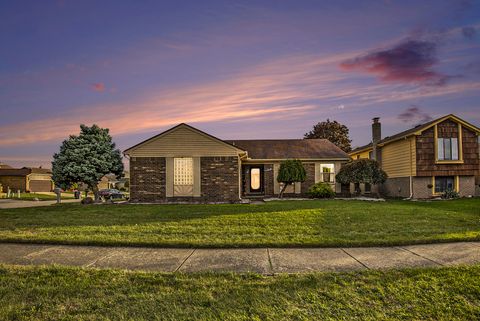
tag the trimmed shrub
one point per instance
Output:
(450, 194)
(361, 171)
(321, 190)
(87, 200)
(290, 171)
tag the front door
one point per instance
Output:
(253, 180)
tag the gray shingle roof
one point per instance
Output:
(289, 148)
(23, 171)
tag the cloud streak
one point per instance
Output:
(283, 89)
(410, 61)
(414, 114)
(469, 32)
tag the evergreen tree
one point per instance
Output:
(86, 158)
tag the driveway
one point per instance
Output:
(260, 260)
(12, 203)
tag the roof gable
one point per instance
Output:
(418, 130)
(183, 140)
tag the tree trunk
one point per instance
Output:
(95, 192)
(285, 185)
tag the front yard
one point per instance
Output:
(56, 293)
(274, 224)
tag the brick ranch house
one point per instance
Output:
(424, 161)
(186, 165)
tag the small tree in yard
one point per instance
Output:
(291, 171)
(361, 171)
(86, 158)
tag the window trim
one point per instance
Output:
(331, 166)
(456, 184)
(459, 144)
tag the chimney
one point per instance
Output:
(376, 137)
(376, 130)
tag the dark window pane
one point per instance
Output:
(442, 183)
(368, 188)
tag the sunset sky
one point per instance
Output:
(236, 69)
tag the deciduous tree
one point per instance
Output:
(291, 171)
(334, 132)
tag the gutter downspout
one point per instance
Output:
(411, 170)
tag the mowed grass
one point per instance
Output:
(58, 293)
(274, 224)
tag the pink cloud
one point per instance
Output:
(99, 87)
(410, 61)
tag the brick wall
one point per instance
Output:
(420, 187)
(477, 186)
(269, 180)
(310, 179)
(395, 187)
(147, 179)
(219, 179)
(466, 185)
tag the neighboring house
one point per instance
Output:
(111, 181)
(26, 179)
(2, 165)
(184, 164)
(426, 160)
(107, 181)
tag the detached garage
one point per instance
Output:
(26, 179)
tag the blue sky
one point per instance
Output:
(236, 69)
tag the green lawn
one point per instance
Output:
(274, 224)
(57, 293)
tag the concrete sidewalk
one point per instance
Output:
(262, 260)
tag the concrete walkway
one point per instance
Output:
(262, 260)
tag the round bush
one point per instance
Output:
(321, 190)
(87, 200)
